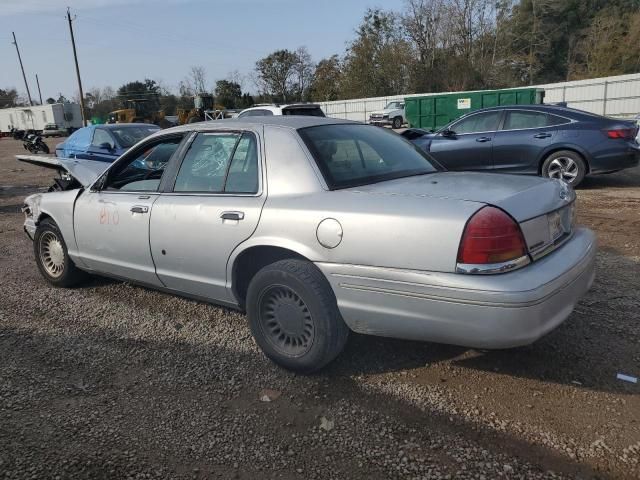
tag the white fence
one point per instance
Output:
(617, 96)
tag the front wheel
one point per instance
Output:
(565, 165)
(294, 316)
(397, 123)
(52, 258)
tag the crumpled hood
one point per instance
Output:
(523, 197)
(84, 171)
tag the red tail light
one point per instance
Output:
(623, 133)
(491, 236)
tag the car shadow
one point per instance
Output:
(622, 179)
(168, 392)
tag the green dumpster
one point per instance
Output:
(434, 111)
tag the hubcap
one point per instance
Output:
(286, 321)
(51, 254)
(563, 168)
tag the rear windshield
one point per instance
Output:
(130, 135)
(352, 155)
(309, 112)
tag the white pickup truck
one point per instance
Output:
(392, 114)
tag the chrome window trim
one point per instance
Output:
(493, 268)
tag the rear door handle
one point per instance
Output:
(542, 135)
(232, 216)
(139, 209)
(483, 139)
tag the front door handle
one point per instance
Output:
(542, 135)
(139, 209)
(232, 216)
(483, 139)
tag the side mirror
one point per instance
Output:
(106, 146)
(448, 133)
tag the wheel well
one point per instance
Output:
(250, 262)
(42, 217)
(551, 152)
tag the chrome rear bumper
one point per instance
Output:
(488, 311)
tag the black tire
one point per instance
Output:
(294, 316)
(45, 147)
(397, 123)
(68, 274)
(565, 164)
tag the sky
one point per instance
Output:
(124, 40)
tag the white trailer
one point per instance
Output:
(65, 115)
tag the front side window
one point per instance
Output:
(101, 137)
(142, 171)
(220, 163)
(520, 119)
(477, 123)
(352, 155)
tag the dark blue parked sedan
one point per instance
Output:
(104, 142)
(545, 140)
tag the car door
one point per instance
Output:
(524, 135)
(468, 143)
(213, 206)
(111, 221)
(102, 147)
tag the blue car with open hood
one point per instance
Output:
(104, 143)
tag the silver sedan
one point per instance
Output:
(317, 227)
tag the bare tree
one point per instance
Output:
(198, 79)
(304, 69)
(422, 21)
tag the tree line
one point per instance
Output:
(427, 46)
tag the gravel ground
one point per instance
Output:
(116, 381)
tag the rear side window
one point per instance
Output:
(309, 112)
(556, 120)
(220, 162)
(520, 119)
(256, 113)
(479, 122)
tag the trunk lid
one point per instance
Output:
(523, 197)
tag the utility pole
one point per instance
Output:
(15, 42)
(75, 57)
(39, 92)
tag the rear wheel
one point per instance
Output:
(565, 165)
(52, 258)
(397, 123)
(294, 316)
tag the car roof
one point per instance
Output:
(293, 122)
(109, 126)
